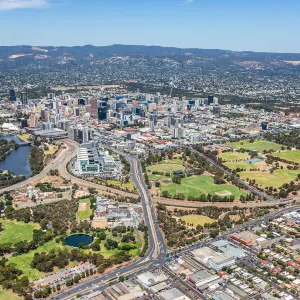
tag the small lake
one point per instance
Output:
(17, 161)
(78, 239)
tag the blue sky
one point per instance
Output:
(258, 25)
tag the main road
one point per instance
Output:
(155, 254)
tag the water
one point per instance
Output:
(17, 161)
(253, 160)
(78, 239)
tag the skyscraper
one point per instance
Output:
(24, 98)
(12, 96)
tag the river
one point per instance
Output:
(17, 161)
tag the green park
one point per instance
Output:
(200, 184)
(292, 155)
(257, 145)
(195, 220)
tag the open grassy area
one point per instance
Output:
(23, 136)
(166, 167)
(84, 210)
(197, 220)
(293, 155)
(241, 165)
(277, 179)
(156, 176)
(202, 184)
(23, 261)
(16, 231)
(258, 145)
(51, 150)
(233, 155)
(8, 295)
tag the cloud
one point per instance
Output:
(186, 2)
(15, 4)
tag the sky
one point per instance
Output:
(254, 25)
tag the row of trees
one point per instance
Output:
(36, 160)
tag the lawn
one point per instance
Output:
(241, 165)
(233, 155)
(84, 210)
(277, 179)
(51, 150)
(156, 176)
(23, 136)
(23, 261)
(16, 231)
(201, 184)
(8, 295)
(166, 167)
(293, 155)
(197, 220)
(258, 145)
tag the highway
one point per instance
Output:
(155, 254)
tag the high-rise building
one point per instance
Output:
(24, 98)
(76, 111)
(94, 108)
(12, 96)
(85, 135)
(210, 100)
(102, 110)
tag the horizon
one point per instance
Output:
(258, 27)
(136, 45)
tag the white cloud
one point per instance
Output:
(188, 1)
(15, 4)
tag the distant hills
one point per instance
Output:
(89, 53)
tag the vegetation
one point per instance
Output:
(195, 220)
(194, 186)
(8, 178)
(6, 147)
(289, 156)
(14, 232)
(36, 160)
(86, 212)
(258, 145)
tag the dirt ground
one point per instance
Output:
(82, 207)
(100, 224)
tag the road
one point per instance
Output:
(62, 158)
(155, 254)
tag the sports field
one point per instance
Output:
(84, 210)
(16, 231)
(201, 184)
(258, 145)
(293, 155)
(276, 180)
(241, 165)
(197, 220)
(233, 155)
(166, 167)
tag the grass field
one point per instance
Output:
(202, 184)
(23, 136)
(51, 150)
(258, 145)
(166, 167)
(293, 155)
(197, 220)
(85, 213)
(16, 231)
(277, 179)
(241, 165)
(233, 155)
(8, 295)
(23, 261)
(156, 176)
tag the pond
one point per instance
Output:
(253, 160)
(17, 161)
(75, 240)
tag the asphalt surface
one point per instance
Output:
(155, 254)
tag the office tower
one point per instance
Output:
(102, 110)
(94, 108)
(76, 111)
(175, 133)
(85, 135)
(51, 96)
(33, 121)
(151, 107)
(210, 100)
(151, 125)
(86, 117)
(24, 98)
(217, 111)
(72, 133)
(24, 123)
(215, 101)
(12, 96)
(181, 133)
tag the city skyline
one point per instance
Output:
(254, 26)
